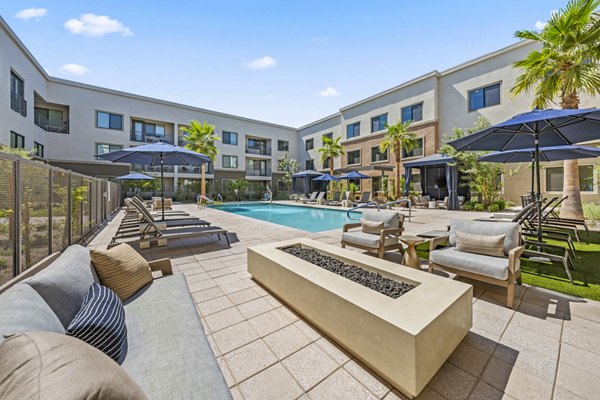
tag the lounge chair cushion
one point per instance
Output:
(22, 309)
(372, 227)
(164, 334)
(367, 239)
(494, 267)
(64, 284)
(480, 244)
(390, 219)
(510, 229)
(121, 269)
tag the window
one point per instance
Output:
(326, 163)
(310, 164)
(38, 149)
(17, 94)
(412, 113)
(109, 121)
(378, 123)
(230, 138)
(310, 144)
(102, 148)
(415, 152)
(484, 97)
(230, 162)
(17, 141)
(377, 156)
(353, 157)
(283, 145)
(328, 135)
(555, 175)
(353, 130)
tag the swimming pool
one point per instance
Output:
(308, 219)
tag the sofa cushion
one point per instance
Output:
(64, 283)
(22, 309)
(168, 353)
(52, 366)
(480, 244)
(372, 227)
(510, 229)
(494, 267)
(367, 239)
(122, 269)
(390, 219)
(101, 321)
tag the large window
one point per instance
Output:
(412, 113)
(17, 94)
(377, 156)
(326, 163)
(484, 97)
(378, 123)
(328, 135)
(555, 178)
(416, 151)
(230, 138)
(17, 141)
(352, 130)
(353, 157)
(103, 148)
(283, 145)
(310, 164)
(230, 162)
(38, 148)
(147, 131)
(310, 144)
(109, 121)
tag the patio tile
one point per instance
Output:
(223, 319)
(367, 378)
(577, 381)
(236, 394)
(587, 309)
(482, 340)
(214, 305)
(307, 330)
(248, 360)
(548, 313)
(268, 322)
(254, 307)
(340, 386)
(564, 394)
(197, 277)
(309, 366)
(579, 358)
(515, 382)
(452, 382)
(395, 395)
(286, 341)
(484, 391)
(547, 327)
(469, 359)
(207, 294)
(201, 285)
(226, 373)
(243, 296)
(495, 305)
(274, 383)
(288, 314)
(235, 336)
(333, 351)
(429, 394)
(582, 334)
(489, 323)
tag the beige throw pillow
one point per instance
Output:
(53, 366)
(121, 269)
(480, 244)
(373, 227)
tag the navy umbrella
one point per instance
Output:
(159, 153)
(535, 129)
(355, 175)
(326, 178)
(135, 176)
(307, 175)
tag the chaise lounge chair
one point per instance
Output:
(336, 200)
(364, 199)
(313, 195)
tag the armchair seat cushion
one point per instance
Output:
(367, 239)
(494, 267)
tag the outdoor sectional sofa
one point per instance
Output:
(167, 353)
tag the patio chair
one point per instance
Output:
(336, 200)
(551, 216)
(379, 232)
(420, 201)
(364, 199)
(313, 195)
(157, 205)
(320, 196)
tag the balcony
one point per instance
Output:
(152, 168)
(18, 103)
(53, 126)
(258, 172)
(184, 169)
(260, 147)
(140, 137)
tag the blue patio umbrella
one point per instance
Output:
(326, 178)
(355, 175)
(157, 154)
(135, 176)
(306, 175)
(535, 129)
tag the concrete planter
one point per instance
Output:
(405, 340)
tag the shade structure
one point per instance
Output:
(157, 154)
(535, 129)
(326, 178)
(135, 176)
(355, 175)
(436, 160)
(306, 176)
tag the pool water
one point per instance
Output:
(308, 219)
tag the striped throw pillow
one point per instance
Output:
(100, 321)
(122, 269)
(480, 244)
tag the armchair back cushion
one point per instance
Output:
(480, 244)
(511, 230)
(390, 219)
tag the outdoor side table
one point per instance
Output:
(433, 204)
(411, 258)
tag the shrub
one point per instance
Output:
(478, 207)
(468, 207)
(494, 208)
(501, 203)
(591, 212)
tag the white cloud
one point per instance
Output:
(328, 92)
(93, 25)
(261, 63)
(539, 25)
(73, 69)
(30, 13)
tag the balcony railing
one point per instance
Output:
(195, 170)
(259, 150)
(145, 138)
(152, 168)
(18, 103)
(50, 126)
(258, 172)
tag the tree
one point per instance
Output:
(289, 166)
(201, 139)
(566, 65)
(330, 150)
(396, 139)
(238, 187)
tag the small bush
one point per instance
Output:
(494, 208)
(468, 207)
(501, 203)
(478, 207)
(591, 212)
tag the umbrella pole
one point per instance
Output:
(539, 186)
(162, 188)
(532, 194)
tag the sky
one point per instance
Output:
(281, 61)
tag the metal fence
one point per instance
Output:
(44, 209)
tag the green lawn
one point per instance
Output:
(552, 276)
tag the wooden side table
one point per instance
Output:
(411, 258)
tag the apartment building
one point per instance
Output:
(67, 123)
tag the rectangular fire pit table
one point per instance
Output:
(405, 340)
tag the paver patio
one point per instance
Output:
(547, 348)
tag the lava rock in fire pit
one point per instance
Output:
(372, 280)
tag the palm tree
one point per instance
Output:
(201, 139)
(331, 149)
(395, 139)
(566, 66)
